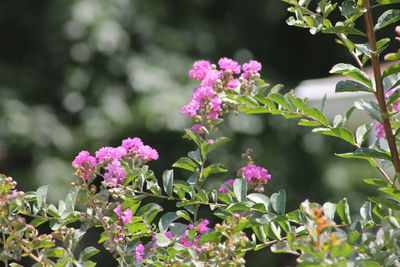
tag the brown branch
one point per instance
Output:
(380, 92)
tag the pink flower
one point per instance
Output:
(125, 216)
(84, 163)
(229, 65)
(139, 252)
(223, 189)
(13, 194)
(132, 144)
(200, 69)
(115, 173)
(107, 153)
(211, 77)
(256, 176)
(147, 153)
(197, 128)
(253, 172)
(202, 227)
(216, 103)
(252, 66)
(210, 141)
(233, 84)
(380, 130)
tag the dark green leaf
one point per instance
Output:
(317, 115)
(343, 210)
(214, 237)
(388, 17)
(149, 211)
(168, 181)
(377, 182)
(362, 133)
(365, 211)
(240, 189)
(41, 194)
(371, 153)
(386, 202)
(87, 253)
(186, 163)
(206, 148)
(214, 168)
(391, 191)
(190, 134)
(343, 30)
(352, 72)
(183, 214)
(166, 220)
(351, 86)
(394, 69)
(278, 201)
(260, 198)
(279, 99)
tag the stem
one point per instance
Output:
(380, 92)
(4, 243)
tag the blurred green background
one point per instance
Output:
(79, 75)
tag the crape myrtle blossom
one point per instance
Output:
(139, 252)
(132, 150)
(124, 216)
(84, 164)
(256, 176)
(205, 105)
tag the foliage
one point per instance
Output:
(136, 231)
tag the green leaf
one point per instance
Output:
(377, 182)
(41, 194)
(264, 100)
(183, 214)
(206, 148)
(247, 100)
(386, 202)
(352, 72)
(362, 133)
(371, 153)
(351, 86)
(214, 237)
(317, 115)
(388, 17)
(353, 237)
(166, 220)
(343, 250)
(38, 221)
(56, 253)
(162, 240)
(240, 189)
(214, 168)
(370, 107)
(260, 198)
(190, 134)
(365, 211)
(149, 211)
(87, 253)
(394, 69)
(278, 201)
(186, 163)
(168, 181)
(304, 122)
(279, 99)
(343, 210)
(391, 191)
(300, 104)
(329, 209)
(344, 30)
(340, 132)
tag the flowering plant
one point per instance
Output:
(117, 192)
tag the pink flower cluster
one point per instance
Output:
(110, 159)
(256, 176)
(201, 228)
(124, 216)
(84, 164)
(139, 252)
(205, 104)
